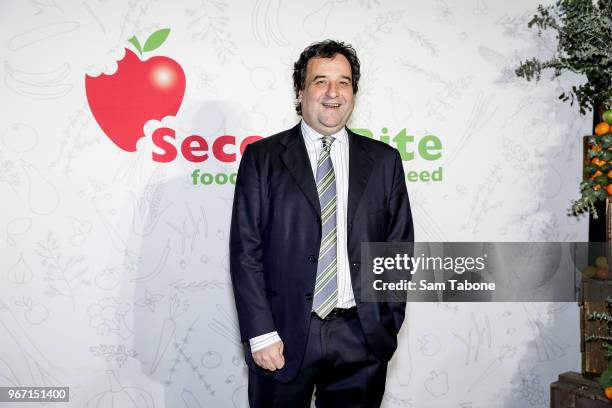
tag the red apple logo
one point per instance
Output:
(139, 91)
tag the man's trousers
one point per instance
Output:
(338, 366)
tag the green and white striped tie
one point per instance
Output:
(326, 285)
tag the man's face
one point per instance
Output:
(327, 98)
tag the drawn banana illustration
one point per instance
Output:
(38, 85)
(265, 23)
(41, 33)
(40, 78)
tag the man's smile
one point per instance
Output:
(330, 105)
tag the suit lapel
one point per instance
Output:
(297, 162)
(295, 158)
(360, 168)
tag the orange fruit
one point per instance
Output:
(608, 392)
(596, 187)
(596, 148)
(602, 273)
(602, 128)
(596, 174)
(610, 173)
(609, 189)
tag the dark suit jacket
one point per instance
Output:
(276, 232)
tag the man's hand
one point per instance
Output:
(271, 357)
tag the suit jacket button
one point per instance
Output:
(309, 296)
(312, 258)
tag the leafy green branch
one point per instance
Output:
(584, 46)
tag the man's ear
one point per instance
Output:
(299, 98)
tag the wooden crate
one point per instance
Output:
(573, 390)
(594, 360)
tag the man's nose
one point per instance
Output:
(332, 90)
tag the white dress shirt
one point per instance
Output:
(340, 160)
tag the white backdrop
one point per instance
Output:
(114, 277)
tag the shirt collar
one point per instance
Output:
(312, 135)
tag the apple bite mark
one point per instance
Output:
(139, 91)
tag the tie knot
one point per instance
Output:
(327, 142)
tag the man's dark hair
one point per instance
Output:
(323, 49)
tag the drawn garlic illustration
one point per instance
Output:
(121, 397)
(20, 273)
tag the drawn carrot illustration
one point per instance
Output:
(168, 331)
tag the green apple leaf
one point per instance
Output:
(134, 41)
(156, 39)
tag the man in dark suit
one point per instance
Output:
(304, 202)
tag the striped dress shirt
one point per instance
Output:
(340, 159)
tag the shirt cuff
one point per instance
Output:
(260, 342)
